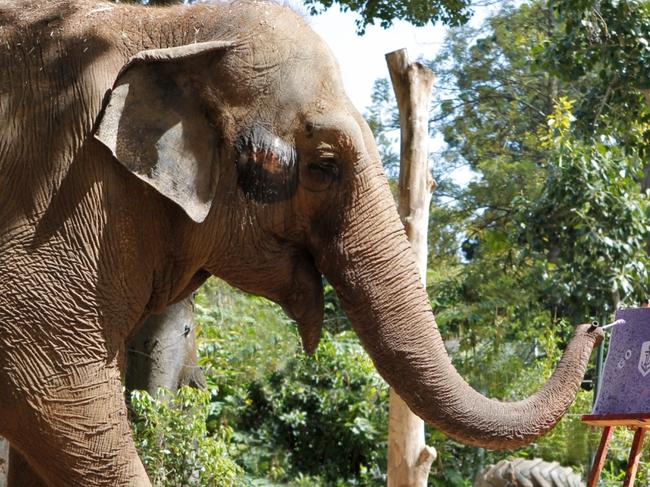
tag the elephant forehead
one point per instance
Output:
(289, 59)
(314, 76)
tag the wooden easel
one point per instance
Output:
(638, 422)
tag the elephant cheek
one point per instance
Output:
(305, 305)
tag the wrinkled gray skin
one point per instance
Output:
(142, 150)
(163, 351)
(161, 354)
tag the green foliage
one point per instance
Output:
(335, 320)
(588, 227)
(242, 338)
(607, 44)
(417, 12)
(296, 419)
(554, 211)
(323, 415)
(548, 233)
(173, 442)
(609, 37)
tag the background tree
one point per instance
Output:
(549, 230)
(608, 41)
(416, 12)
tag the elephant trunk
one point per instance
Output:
(372, 268)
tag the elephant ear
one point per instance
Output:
(155, 126)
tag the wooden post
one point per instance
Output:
(599, 460)
(633, 460)
(409, 458)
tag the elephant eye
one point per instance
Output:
(320, 175)
(266, 166)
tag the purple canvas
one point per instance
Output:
(626, 376)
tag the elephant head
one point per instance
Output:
(163, 351)
(279, 180)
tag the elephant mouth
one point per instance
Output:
(305, 303)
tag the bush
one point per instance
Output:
(173, 442)
(242, 339)
(304, 420)
(323, 416)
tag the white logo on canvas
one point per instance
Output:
(644, 359)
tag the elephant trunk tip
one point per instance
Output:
(592, 331)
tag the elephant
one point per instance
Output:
(163, 351)
(144, 149)
(161, 354)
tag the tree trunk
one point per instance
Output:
(409, 458)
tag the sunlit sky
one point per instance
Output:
(361, 58)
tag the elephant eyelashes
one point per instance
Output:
(266, 166)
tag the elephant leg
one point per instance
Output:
(80, 434)
(21, 473)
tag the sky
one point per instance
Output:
(361, 58)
